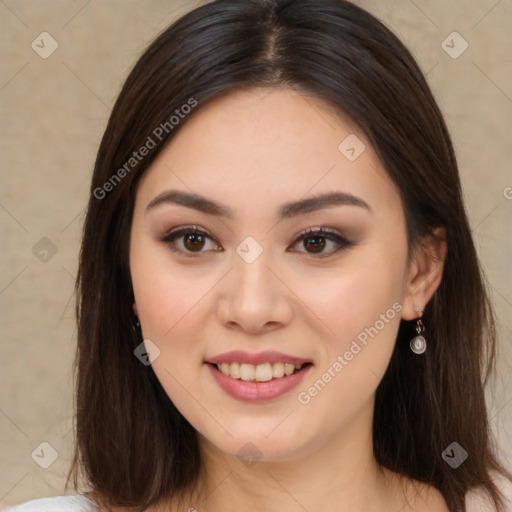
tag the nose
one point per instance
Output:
(255, 299)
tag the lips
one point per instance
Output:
(239, 356)
(253, 390)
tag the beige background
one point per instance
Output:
(53, 113)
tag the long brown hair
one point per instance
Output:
(134, 447)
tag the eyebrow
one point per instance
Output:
(286, 211)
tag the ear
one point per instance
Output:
(425, 273)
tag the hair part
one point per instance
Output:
(133, 446)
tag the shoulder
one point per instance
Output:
(413, 495)
(477, 499)
(76, 503)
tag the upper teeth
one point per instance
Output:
(260, 372)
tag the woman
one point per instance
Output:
(280, 303)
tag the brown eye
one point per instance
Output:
(314, 244)
(194, 241)
(316, 241)
(190, 241)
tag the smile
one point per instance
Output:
(259, 373)
(258, 391)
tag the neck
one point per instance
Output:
(339, 473)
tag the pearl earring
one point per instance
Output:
(419, 343)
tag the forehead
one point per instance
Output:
(252, 147)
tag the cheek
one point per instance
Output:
(360, 302)
(171, 303)
(353, 296)
(168, 296)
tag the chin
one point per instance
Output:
(262, 443)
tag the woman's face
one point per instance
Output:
(251, 177)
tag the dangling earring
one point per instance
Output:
(419, 343)
(135, 327)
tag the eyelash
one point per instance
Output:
(342, 242)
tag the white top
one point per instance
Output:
(475, 502)
(76, 503)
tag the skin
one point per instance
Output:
(252, 151)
